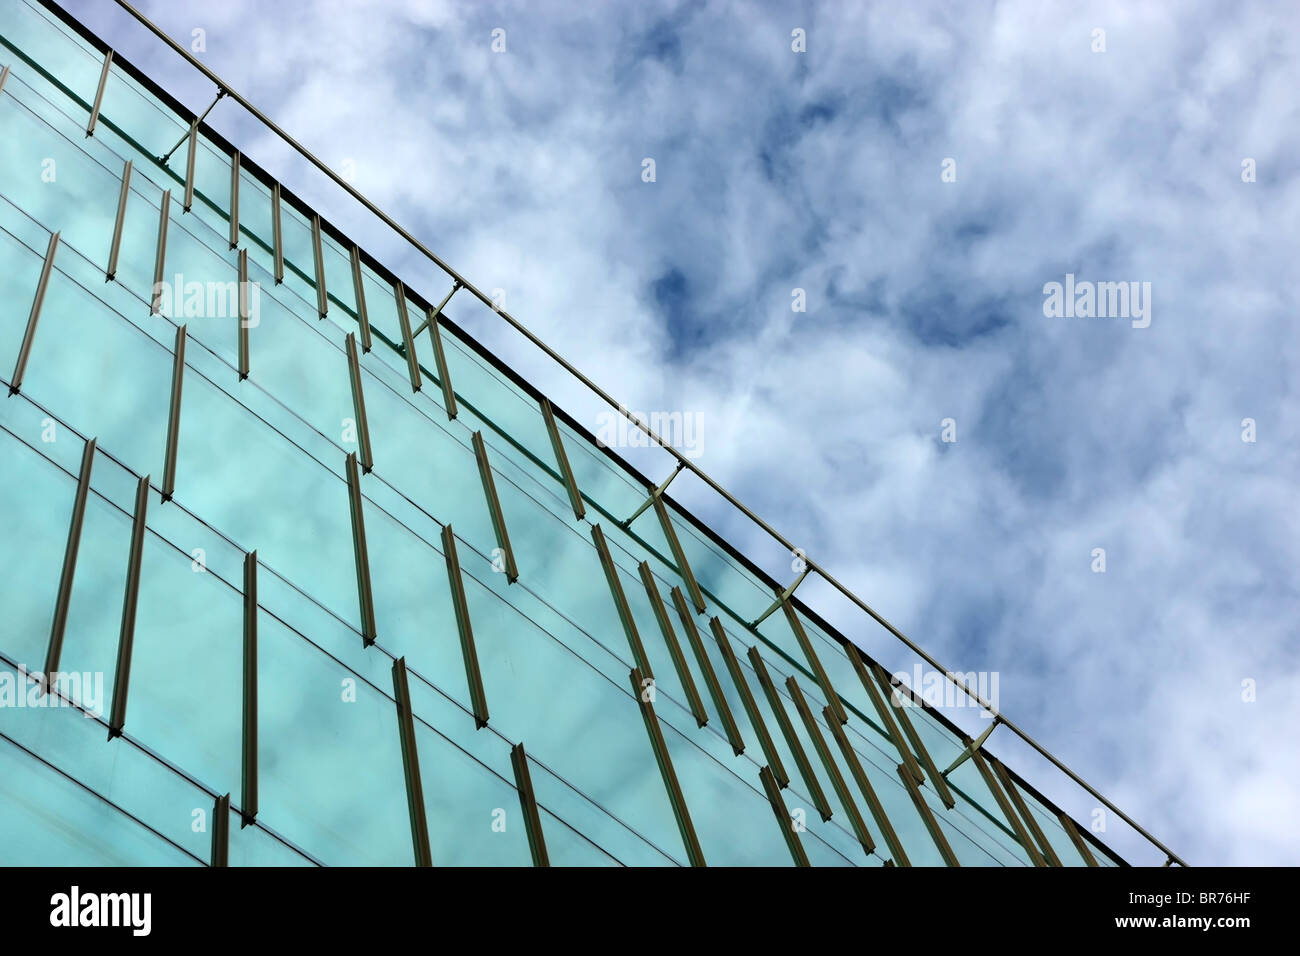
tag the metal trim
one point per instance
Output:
(562, 460)
(221, 831)
(927, 817)
(1076, 838)
(783, 818)
(838, 783)
(191, 156)
(160, 256)
(468, 652)
(710, 675)
(922, 753)
(679, 555)
(360, 553)
(674, 648)
(359, 404)
(115, 249)
(245, 313)
(528, 804)
(819, 673)
(4, 77)
(358, 287)
(494, 507)
(620, 602)
(34, 316)
(55, 648)
(99, 92)
(174, 415)
(868, 792)
(1008, 811)
(248, 738)
(318, 253)
(675, 796)
(277, 235)
(791, 738)
(130, 600)
(234, 199)
(411, 765)
(1045, 848)
(886, 718)
(408, 342)
(747, 700)
(440, 362)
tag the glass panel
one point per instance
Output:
(35, 510)
(253, 846)
(512, 420)
(95, 609)
(55, 48)
(320, 726)
(722, 805)
(17, 286)
(298, 366)
(76, 368)
(50, 820)
(474, 814)
(133, 118)
(418, 456)
(255, 223)
(211, 191)
(186, 664)
(118, 771)
(338, 283)
(44, 171)
(592, 733)
(566, 846)
(264, 493)
(299, 260)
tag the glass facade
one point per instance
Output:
(297, 573)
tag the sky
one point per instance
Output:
(921, 172)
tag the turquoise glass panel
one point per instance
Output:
(35, 508)
(49, 819)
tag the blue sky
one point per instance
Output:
(821, 170)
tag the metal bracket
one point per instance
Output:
(99, 93)
(167, 155)
(781, 598)
(439, 357)
(975, 745)
(654, 495)
(433, 314)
